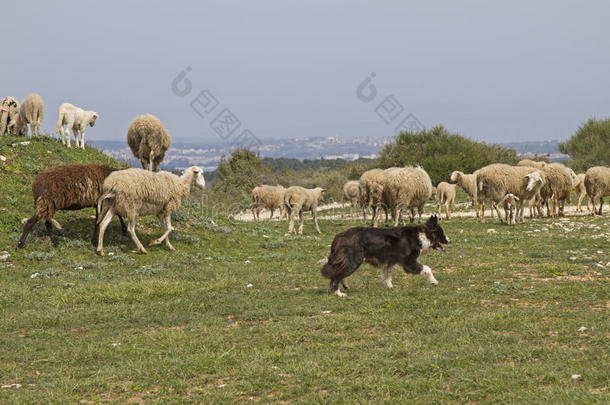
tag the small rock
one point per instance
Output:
(3, 158)
(575, 376)
(536, 230)
(35, 275)
(491, 230)
(12, 386)
(25, 143)
(326, 312)
(78, 268)
(265, 236)
(4, 256)
(582, 329)
(599, 252)
(247, 262)
(111, 254)
(116, 344)
(572, 258)
(249, 285)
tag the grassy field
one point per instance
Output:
(240, 312)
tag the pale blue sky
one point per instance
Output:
(510, 71)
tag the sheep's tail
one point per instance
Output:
(288, 205)
(60, 121)
(101, 209)
(45, 209)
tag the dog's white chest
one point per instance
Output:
(425, 242)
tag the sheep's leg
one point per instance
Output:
(301, 220)
(291, 221)
(601, 202)
(271, 215)
(315, 218)
(60, 130)
(123, 226)
(82, 137)
(49, 226)
(495, 206)
(131, 228)
(438, 209)
(102, 229)
(26, 230)
(68, 128)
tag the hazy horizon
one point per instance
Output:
(492, 72)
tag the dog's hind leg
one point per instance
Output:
(386, 276)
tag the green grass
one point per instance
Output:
(502, 326)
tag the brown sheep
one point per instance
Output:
(69, 187)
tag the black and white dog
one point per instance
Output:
(382, 247)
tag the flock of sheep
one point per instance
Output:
(128, 193)
(398, 189)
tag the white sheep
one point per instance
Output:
(557, 188)
(445, 195)
(297, 200)
(597, 182)
(9, 107)
(578, 185)
(270, 197)
(407, 188)
(351, 194)
(510, 202)
(136, 192)
(75, 119)
(532, 163)
(148, 140)
(371, 190)
(468, 183)
(496, 180)
(30, 112)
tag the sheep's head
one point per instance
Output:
(455, 176)
(93, 118)
(17, 126)
(533, 179)
(320, 192)
(197, 175)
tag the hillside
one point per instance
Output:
(240, 313)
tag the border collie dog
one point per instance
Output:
(382, 247)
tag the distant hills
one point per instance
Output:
(207, 153)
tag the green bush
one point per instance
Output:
(440, 152)
(589, 146)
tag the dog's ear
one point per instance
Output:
(433, 220)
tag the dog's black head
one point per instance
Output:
(435, 233)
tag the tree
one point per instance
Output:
(589, 146)
(440, 152)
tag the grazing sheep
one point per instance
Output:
(9, 107)
(270, 197)
(407, 188)
(597, 183)
(351, 194)
(468, 183)
(510, 202)
(532, 163)
(30, 112)
(135, 192)
(581, 191)
(496, 180)
(556, 189)
(445, 195)
(75, 119)
(69, 187)
(371, 189)
(148, 140)
(298, 199)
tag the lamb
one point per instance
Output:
(351, 194)
(371, 189)
(531, 163)
(270, 197)
(468, 183)
(69, 187)
(597, 183)
(578, 185)
(9, 106)
(135, 192)
(298, 199)
(148, 140)
(75, 119)
(30, 112)
(445, 195)
(557, 188)
(496, 180)
(510, 202)
(407, 188)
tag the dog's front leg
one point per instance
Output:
(427, 272)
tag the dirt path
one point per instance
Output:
(333, 211)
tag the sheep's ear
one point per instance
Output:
(323, 190)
